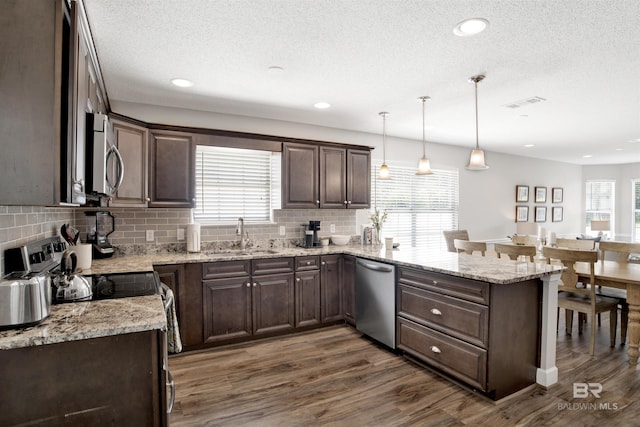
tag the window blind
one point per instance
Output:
(419, 207)
(600, 202)
(234, 182)
(636, 210)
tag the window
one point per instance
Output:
(418, 207)
(636, 210)
(600, 198)
(236, 182)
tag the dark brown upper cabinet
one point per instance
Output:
(329, 177)
(49, 80)
(171, 170)
(358, 179)
(131, 141)
(300, 176)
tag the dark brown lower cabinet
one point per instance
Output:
(349, 288)
(483, 334)
(331, 288)
(173, 276)
(240, 305)
(307, 298)
(115, 380)
(226, 308)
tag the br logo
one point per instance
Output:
(582, 390)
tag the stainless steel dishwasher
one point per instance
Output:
(376, 301)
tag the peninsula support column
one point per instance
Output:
(547, 373)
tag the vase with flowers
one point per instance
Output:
(377, 220)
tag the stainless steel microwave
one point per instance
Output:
(105, 167)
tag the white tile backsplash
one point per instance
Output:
(22, 224)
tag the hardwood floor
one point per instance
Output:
(336, 377)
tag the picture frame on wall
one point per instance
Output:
(556, 214)
(541, 195)
(557, 195)
(522, 213)
(522, 193)
(541, 214)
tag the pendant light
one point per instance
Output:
(384, 169)
(424, 165)
(476, 160)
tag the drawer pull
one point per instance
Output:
(308, 262)
(436, 312)
(435, 349)
(435, 282)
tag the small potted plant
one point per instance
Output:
(377, 220)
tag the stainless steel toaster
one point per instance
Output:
(24, 301)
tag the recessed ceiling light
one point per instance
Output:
(275, 70)
(182, 82)
(470, 27)
(322, 105)
(619, 149)
(587, 156)
(634, 140)
(529, 145)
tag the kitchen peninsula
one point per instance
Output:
(487, 293)
(480, 287)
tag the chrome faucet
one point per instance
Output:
(240, 232)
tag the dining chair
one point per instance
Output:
(576, 296)
(622, 250)
(514, 251)
(469, 247)
(451, 235)
(579, 244)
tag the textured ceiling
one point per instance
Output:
(366, 56)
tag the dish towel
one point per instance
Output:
(174, 344)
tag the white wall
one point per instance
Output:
(487, 198)
(622, 175)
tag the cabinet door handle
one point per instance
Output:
(323, 263)
(248, 285)
(346, 202)
(349, 202)
(297, 279)
(317, 202)
(435, 349)
(255, 284)
(436, 312)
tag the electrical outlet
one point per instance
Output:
(283, 230)
(332, 228)
(150, 236)
(180, 233)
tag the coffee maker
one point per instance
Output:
(311, 234)
(100, 225)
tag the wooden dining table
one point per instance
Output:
(620, 275)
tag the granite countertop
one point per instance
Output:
(92, 319)
(489, 269)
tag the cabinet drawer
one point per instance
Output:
(304, 263)
(271, 266)
(471, 290)
(457, 358)
(226, 269)
(463, 319)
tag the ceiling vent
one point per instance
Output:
(525, 102)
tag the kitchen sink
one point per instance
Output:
(246, 252)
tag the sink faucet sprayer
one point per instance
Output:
(240, 232)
